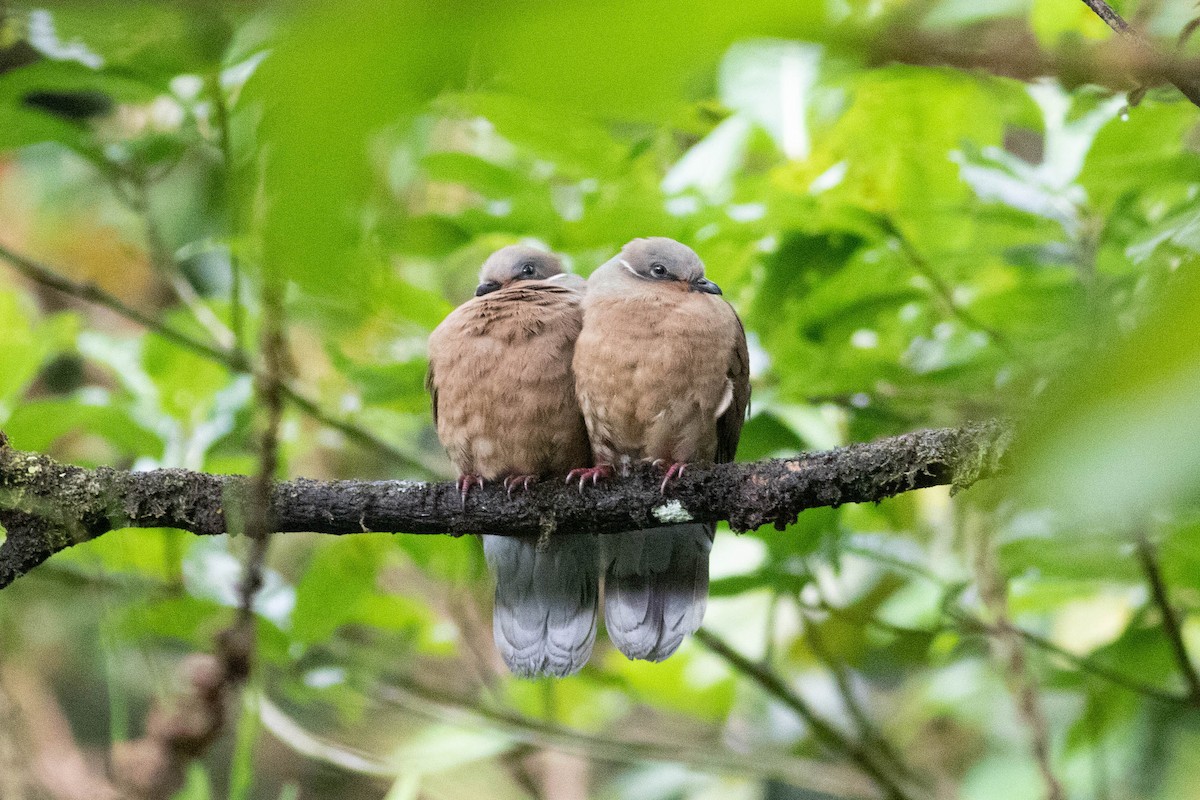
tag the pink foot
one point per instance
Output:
(596, 473)
(464, 484)
(674, 472)
(513, 481)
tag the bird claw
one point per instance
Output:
(513, 481)
(582, 474)
(674, 472)
(464, 483)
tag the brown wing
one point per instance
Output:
(431, 387)
(729, 424)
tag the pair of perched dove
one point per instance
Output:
(542, 375)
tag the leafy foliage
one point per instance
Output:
(908, 246)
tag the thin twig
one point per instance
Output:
(225, 143)
(1081, 663)
(1182, 79)
(415, 463)
(89, 292)
(167, 266)
(232, 359)
(1158, 588)
(816, 776)
(131, 189)
(867, 731)
(1107, 13)
(966, 622)
(185, 728)
(945, 293)
(260, 512)
(1010, 650)
(829, 737)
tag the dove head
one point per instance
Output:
(656, 264)
(516, 262)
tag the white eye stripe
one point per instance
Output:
(627, 266)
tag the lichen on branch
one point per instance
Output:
(47, 506)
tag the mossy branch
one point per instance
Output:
(47, 506)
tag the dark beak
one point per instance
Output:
(486, 287)
(706, 286)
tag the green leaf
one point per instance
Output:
(185, 619)
(925, 116)
(1143, 151)
(338, 579)
(28, 342)
(154, 41)
(23, 123)
(673, 684)
(438, 748)
(38, 424)
(187, 382)
(400, 385)
(152, 553)
(197, 786)
(1116, 434)
(485, 177)
(332, 81)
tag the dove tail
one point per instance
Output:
(655, 588)
(544, 621)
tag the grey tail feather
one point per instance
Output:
(655, 587)
(544, 620)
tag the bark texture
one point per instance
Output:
(47, 506)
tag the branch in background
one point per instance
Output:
(136, 198)
(1170, 620)
(829, 737)
(225, 143)
(259, 512)
(946, 293)
(1009, 649)
(1084, 664)
(73, 504)
(52, 764)
(153, 767)
(1111, 18)
(965, 622)
(1008, 48)
(16, 750)
(232, 359)
(872, 738)
(816, 776)
(1182, 75)
(90, 293)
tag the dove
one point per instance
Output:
(662, 375)
(504, 407)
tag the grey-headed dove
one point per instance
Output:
(505, 408)
(662, 374)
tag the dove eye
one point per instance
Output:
(528, 269)
(658, 271)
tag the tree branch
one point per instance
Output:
(1009, 48)
(1170, 620)
(232, 359)
(826, 779)
(1182, 77)
(1009, 650)
(64, 504)
(823, 732)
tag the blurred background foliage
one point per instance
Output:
(909, 245)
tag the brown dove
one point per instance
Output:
(504, 406)
(662, 375)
